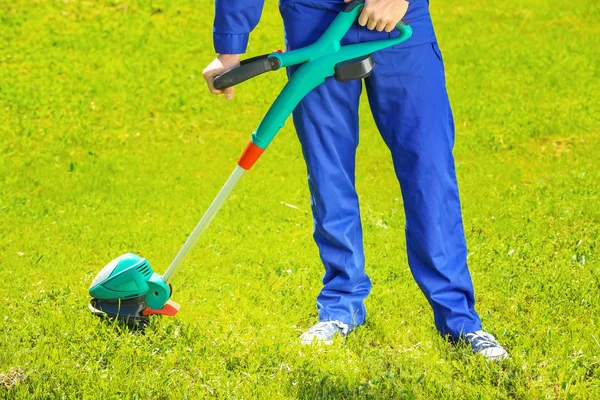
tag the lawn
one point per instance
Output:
(109, 143)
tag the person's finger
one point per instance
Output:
(348, 1)
(363, 18)
(381, 26)
(372, 23)
(390, 27)
(228, 93)
(209, 76)
(210, 81)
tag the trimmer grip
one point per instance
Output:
(404, 28)
(247, 69)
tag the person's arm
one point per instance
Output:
(234, 20)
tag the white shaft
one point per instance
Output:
(204, 222)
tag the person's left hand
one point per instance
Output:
(382, 15)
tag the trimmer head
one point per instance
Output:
(128, 311)
(128, 290)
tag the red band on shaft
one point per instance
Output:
(251, 153)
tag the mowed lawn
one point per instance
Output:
(109, 143)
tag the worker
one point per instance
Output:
(409, 102)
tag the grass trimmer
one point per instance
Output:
(127, 288)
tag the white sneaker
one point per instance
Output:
(324, 332)
(486, 345)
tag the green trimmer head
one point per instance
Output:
(128, 290)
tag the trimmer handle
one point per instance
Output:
(323, 59)
(270, 62)
(248, 69)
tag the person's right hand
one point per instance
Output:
(220, 65)
(382, 15)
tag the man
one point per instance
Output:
(408, 99)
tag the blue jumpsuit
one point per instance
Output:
(408, 99)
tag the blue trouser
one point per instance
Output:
(408, 99)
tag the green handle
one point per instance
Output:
(329, 42)
(318, 63)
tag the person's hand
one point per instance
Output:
(382, 15)
(221, 64)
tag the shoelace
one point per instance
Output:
(327, 328)
(482, 340)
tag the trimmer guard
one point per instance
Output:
(129, 312)
(134, 313)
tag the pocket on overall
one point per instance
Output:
(437, 51)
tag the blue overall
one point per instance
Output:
(408, 99)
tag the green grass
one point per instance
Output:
(110, 143)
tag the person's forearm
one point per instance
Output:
(234, 20)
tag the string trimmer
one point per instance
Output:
(127, 288)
